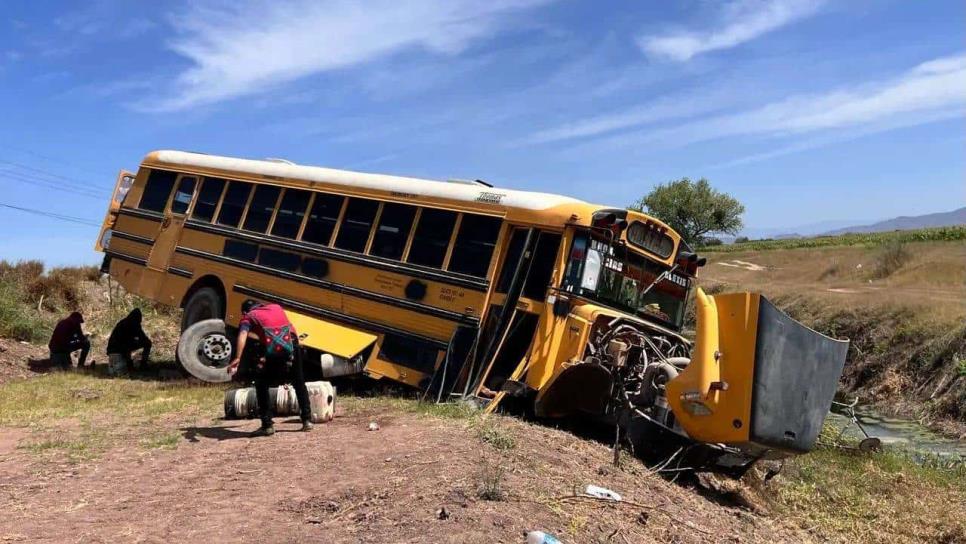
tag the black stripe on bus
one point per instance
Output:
(459, 280)
(337, 316)
(142, 214)
(128, 258)
(181, 272)
(131, 237)
(426, 309)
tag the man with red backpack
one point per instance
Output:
(278, 359)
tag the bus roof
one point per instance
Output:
(526, 206)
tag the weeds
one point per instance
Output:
(890, 259)
(493, 434)
(491, 480)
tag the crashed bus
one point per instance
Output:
(460, 289)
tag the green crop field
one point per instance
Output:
(937, 234)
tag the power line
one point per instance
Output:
(16, 177)
(59, 217)
(62, 179)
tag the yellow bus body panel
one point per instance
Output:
(329, 337)
(711, 397)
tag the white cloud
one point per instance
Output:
(250, 46)
(929, 92)
(741, 21)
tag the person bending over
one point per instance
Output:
(126, 338)
(67, 338)
(279, 359)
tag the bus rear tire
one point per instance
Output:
(205, 303)
(205, 349)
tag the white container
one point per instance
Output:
(540, 537)
(322, 401)
(602, 493)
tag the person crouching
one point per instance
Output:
(126, 338)
(67, 338)
(278, 358)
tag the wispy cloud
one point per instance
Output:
(740, 21)
(250, 46)
(929, 92)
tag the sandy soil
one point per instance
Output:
(414, 480)
(16, 358)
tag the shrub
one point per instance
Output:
(741, 240)
(890, 259)
(17, 319)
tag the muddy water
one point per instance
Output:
(897, 432)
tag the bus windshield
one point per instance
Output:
(618, 277)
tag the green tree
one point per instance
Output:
(693, 208)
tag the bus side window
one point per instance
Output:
(513, 253)
(183, 195)
(290, 213)
(395, 223)
(261, 208)
(541, 268)
(208, 197)
(356, 224)
(157, 189)
(233, 205)
(323, 218)
(243, 251)
(431, 238)
(280, 260)
(474, 245)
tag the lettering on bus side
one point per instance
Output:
(451, 294)
(389, 283)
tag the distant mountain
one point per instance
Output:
(800, 231)
(942, 219)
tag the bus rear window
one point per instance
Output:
(432, 237)
(211, 189)
(261, 208)
(474, 245)
(233, 204)
(323, 218)
(288, 220)
(157, 190)
(394, 225)
(354, 232)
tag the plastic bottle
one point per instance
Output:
(602, 493)
(540, 537)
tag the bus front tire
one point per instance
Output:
(205, 303)
(205, 349)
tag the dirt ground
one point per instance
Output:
(14, 357)
(416, 479)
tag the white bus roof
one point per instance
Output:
(430, 188)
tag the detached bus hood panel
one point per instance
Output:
(329, 337)
(758, 379)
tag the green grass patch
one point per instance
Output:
(937, 234)
(841, 493)
(73, 395)
(356, 405)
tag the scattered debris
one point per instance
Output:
(540, 537)
(602, 493)
(373, 426)
(442, 513)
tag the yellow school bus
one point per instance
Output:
(463, 289)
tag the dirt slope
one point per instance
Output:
(343, 483)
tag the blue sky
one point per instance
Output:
(806, 110)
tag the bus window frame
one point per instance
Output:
(221, 197)
(169, 206)
(412, 234)
(305, 218)
(452, 242)
(374, 227)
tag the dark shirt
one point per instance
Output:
(66, 331)
(127, 335)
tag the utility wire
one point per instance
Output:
(51, 215)
(15, 177)
(63, 179)
(48, 158)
